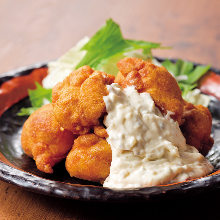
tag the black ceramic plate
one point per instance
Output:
(20, 170)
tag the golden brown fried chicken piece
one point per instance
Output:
(90, 158)
(100, 131)
(146, 77)
(197, 127)
(43, 139)
(78, 100)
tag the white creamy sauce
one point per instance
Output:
(147, 148)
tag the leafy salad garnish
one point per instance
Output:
(102, 52)
(187, 76)
(37, 98)
(109, 42)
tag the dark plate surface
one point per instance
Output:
(20, 170)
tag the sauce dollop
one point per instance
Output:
(147, 148)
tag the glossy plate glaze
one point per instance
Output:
(18, 169)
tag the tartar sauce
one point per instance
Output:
(147, 148)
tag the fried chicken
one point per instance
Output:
(197, 127)
(100, 131)
(146, 77)
(78, 100)
(90, 158)
(43, 139)
(78, 109)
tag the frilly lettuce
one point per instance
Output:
(187, 76)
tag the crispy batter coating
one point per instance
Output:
(197, 127)
(90, 158)
(100, 131)
(43, 139)
(146, 77)
(78, 100)
(78, 108)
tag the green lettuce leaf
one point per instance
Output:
(27, 111)
(107, 43)
(181, 68)
(37, 98)
(171, 67)
(187, 77)
(196, 74)
(185, 88)
(38, 95)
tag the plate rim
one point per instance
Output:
(59, 189)
(54, 188)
